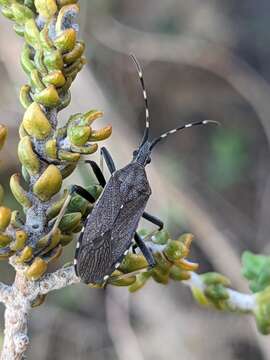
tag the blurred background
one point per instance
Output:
(202, 59)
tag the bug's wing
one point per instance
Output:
(98, 256)
(93, 257)
(103, 214)
(94, 252)
(126, 224)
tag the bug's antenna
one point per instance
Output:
(147, 119)
(163, 136)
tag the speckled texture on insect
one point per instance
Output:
(112, 224)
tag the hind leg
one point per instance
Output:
(145, 251)
(154, 220)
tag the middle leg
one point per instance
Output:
(145, 251)
(154, 220)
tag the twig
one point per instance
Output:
(58, 280)
(237, 301)
(5, 292)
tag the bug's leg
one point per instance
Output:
(148, 256)
(97, 171)
(105, 154)
(83, 193)
(134, 247)
(144, 249)
(154, 220)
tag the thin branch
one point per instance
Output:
(5, 292)
(58, 280)
(16, 339)
(236, 301)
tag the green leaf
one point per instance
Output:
(256, 269)
(262, 311)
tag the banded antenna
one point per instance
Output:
(147, 117)
(197, 123)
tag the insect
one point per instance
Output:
(110, 228)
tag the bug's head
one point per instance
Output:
(143, 154)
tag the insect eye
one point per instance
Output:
(135, 153)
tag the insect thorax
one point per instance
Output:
(133, 181)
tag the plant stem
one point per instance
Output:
(17, 308)
(236, 301)
(18, 300)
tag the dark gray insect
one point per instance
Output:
(111, 226)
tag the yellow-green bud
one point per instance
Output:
(68, 156)
(55, 78)
(53, 60)
(4, 240)
(18, 191)
(66, 41)
(78, 135)
(121, 282)
(5, 217)
(31, 33)
(102, 134)
(25, 98)
(66, 239)
(3, 135)
(20, 240)
(27, 156)
(35, 122)
(74, 54)
(26, 255)
(36, 270)
(141, 280)
(21, 13)
(48, 97)
(70, 222)
(46, 8)
(48, 184)
(51, 149)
